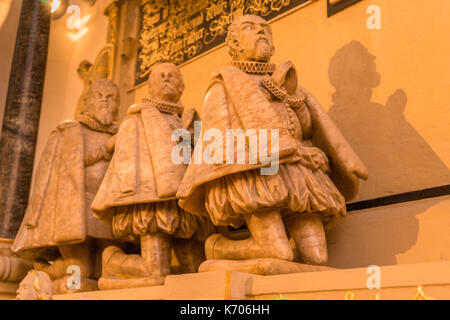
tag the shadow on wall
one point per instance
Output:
(410, 232)
(398, 158)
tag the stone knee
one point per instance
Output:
(269, 234)
(190, 254)
(309, 236)
(156, 251)
(280, 250)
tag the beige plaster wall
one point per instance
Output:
(404, 233)
(9, 21)
(388, 89)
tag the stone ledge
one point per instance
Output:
(397, 282)
(8, 290)
(398, 276)
(219, 285)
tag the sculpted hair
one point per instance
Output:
(232, 38)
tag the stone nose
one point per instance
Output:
(259, 30)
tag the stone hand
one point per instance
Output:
(314, 158)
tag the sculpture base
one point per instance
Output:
(412, 281)
(110, 283)
(263, 266)
(8, 290)
(60, 286)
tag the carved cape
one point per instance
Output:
(245, 106)
(56, 212)
(141, 170)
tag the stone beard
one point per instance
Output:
(263, 51)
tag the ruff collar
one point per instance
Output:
(283, 84)
(97, 126)
(165, 106)
(254, 67)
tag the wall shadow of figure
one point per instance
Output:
(397, 157)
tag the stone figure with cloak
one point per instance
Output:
(138, 193)
(59, 229)
(318, 170)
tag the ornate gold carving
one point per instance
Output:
(420, 295)
(112, 12)
(349, 296)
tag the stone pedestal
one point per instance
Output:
(406, 282)
(409, 242)
(264, 266)
(12, 270)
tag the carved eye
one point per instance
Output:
(247, 26)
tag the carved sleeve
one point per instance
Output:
(305, 121)
(125, 155)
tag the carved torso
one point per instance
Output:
(96, 165)
(94, 143)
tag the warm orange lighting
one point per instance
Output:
(74, 36)
(5, 5)
(55, 5)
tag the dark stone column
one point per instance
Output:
(22, 112)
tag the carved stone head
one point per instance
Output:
(102, 101)
(37, 285)
(249, 38)
(166, 82)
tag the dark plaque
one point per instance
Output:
(339, 5)
(179, 30)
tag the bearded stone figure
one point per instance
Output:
(138, 193)
(318, 171)
(59, 227)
